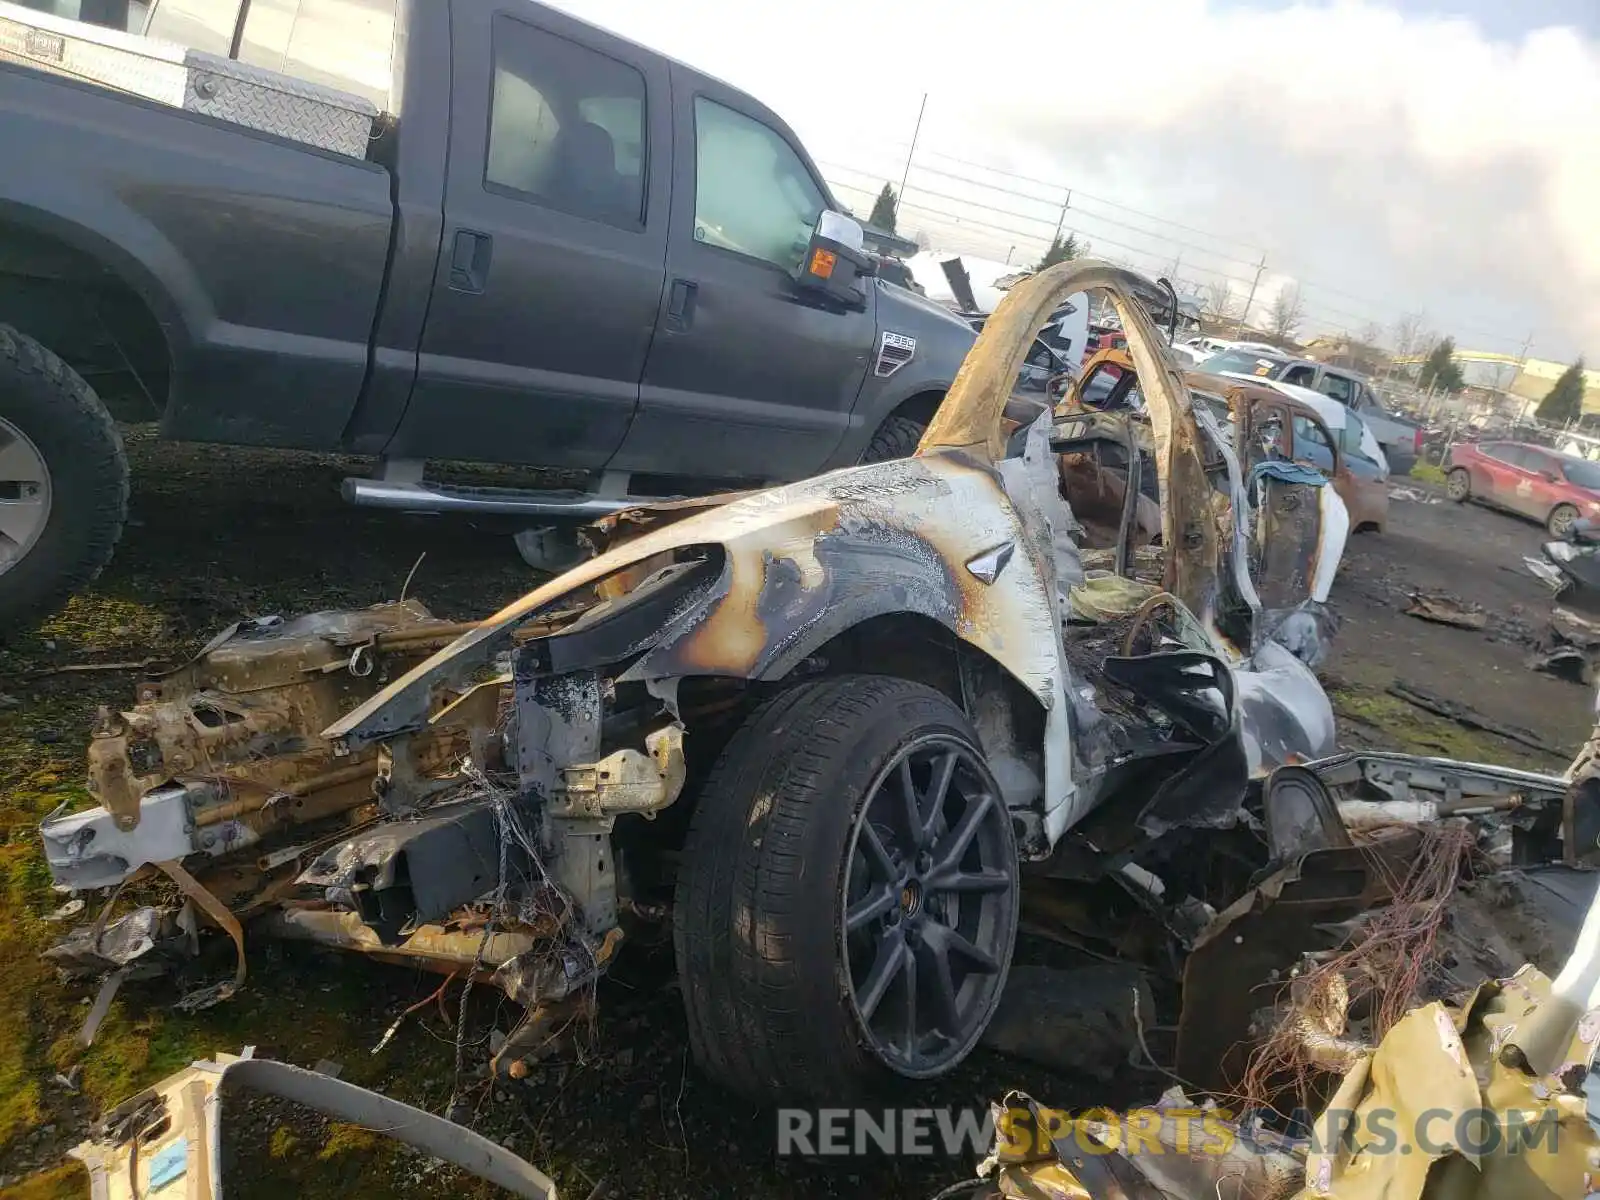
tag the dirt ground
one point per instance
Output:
(219, 534)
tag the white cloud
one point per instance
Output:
(1388, 161)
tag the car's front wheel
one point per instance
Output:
(847, 897)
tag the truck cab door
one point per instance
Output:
(1289, 557)
(749, 377)
(549, 277)
(1338, 387)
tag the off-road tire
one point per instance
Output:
(60, 413)
(897, 437)
(1466, 485)
(757, 921)
(1559, 523)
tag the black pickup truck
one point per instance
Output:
(559, 249)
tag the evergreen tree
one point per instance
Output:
(1565, 401)
(883, 210)
(1441, 369)
(1061, 250)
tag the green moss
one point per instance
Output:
(284, 1144)
(1415, 731)
(69, 1181)
(349, 1140)
(98, 621)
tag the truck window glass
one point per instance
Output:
(1338, 387)
(1243, 362)
(566, 127)
(1311, 445)
(1299, 375)
(199, 24)
(344, 44)
(752, 195)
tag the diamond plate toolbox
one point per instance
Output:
(197, 82)
(276, 103)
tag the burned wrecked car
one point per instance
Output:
(821, 726)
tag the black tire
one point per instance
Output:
(51, 405)
(760, 904)
(897, 437)
(1458, 485)
(1559, 523)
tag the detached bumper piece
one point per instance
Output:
(174, 1132)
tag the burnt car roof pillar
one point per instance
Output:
(970, 417)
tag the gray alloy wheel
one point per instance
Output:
(930, 906)
(24, 495)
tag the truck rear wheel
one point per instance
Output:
(847, 895)
(63, 480)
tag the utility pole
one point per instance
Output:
(1244, 313)
(1522, 362)
(1061, 221)
(906, 174)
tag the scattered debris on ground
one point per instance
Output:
(1568, 648)
(1446, 610)
(1414, 495)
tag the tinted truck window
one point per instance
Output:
(752, 194)
(566, 126)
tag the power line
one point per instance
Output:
(1079, 210)
(1078, 215)
(1221, 237)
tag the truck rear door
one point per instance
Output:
(550, 272)
(746, 371)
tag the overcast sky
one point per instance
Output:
(1388, 155)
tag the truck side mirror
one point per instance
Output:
(835, 261)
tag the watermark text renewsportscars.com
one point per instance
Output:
(1025, 1132)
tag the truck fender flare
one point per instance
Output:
(157, 286)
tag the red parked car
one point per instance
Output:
(1532, 481)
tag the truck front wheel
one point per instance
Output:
(847, 895)
(63, 480)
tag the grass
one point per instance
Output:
(1427, 473)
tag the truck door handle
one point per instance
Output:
(469, 261)
(680, 305)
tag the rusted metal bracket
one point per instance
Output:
(624, 782)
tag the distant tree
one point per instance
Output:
(1287, 311)
(1440, 369)
(1061, 250)
(1371, 334)
(1407, 334)
(1220, 303)
(883, 209)
(1565, 401)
